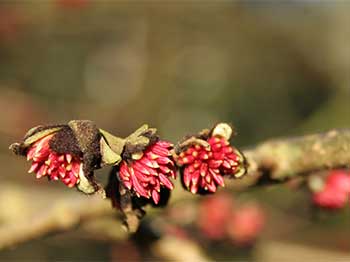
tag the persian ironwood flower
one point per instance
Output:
(151, 171)
(204, 167)
(69, 153)
(335, 192)
(46, 162)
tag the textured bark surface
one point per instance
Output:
(280, 159)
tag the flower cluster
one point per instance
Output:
(69, 153)
(143, 164)
(204, 167)
(335, 192)
(146, 175)
(45, 162)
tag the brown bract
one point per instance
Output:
(68, 152)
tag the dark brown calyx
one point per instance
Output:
(88, 138)
(64, 141)
(33, 135)
(137, 142)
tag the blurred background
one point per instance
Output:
(271, 68)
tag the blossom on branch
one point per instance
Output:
(208, 158)
(145, 176)
(69, 153)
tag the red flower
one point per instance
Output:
(11, 21)
(340, 180)
(55, 166)
(148, 174)
(204, 168)
(246, 224)
(336, 191)
(330, 198)
(214, 214)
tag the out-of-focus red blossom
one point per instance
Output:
(45, 162)
(336, 191)
(330, 198)
(204, 168)
(10, 23)
(246, 224)
(24, 111)
(72, 4)
(152, 171)
(340, 180)
(214, 213)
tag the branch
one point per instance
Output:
(62, 216)
(281, 159)
(276, 160)
(190, 251)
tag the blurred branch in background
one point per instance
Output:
(284, 251)
(270, 162)
(190, 251)
(19, 226)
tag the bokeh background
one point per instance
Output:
(271, 68)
